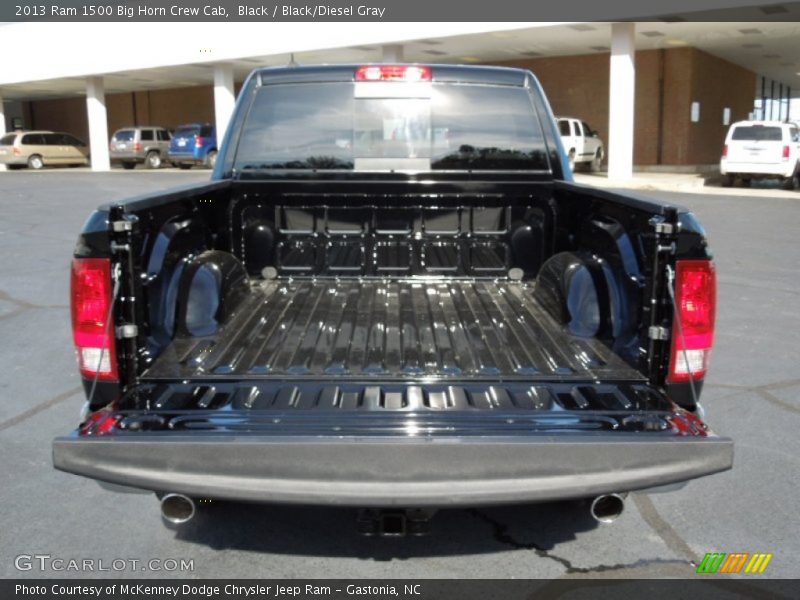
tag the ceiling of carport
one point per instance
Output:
(771, 49)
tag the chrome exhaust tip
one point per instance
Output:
(607, 508)
(177, 509)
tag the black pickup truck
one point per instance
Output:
(391, 295)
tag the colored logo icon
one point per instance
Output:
(734, 563)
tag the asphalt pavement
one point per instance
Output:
(751, 395)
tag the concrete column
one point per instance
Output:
(2, 123)
(224, 98)
(98, 123)
(392, 53)
(622, 90)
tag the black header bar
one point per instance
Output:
(397, 10)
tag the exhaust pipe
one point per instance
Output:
(608, 507)
(177, 509)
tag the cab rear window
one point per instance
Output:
(757, 133)
(324, 126)
(126, 135)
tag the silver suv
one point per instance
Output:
(140, 145)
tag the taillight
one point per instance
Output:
(198, 142)
(786, 153)
(101, 422)
(91, 303)
(408, 73)
(16, 151)
(693, 336)
(725, 151)
(137, 146)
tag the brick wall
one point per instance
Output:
(716, 84)
(60, 114)
(170, 108)
(667, 82)
(166, 108)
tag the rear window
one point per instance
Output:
(757, 133)
(8, 140)
(186, 131)
(336, 126)
(563, 127)
(71, 140)
(126, 135)
(33, 139)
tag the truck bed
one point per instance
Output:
(390, 330)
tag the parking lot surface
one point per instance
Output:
(752, 395)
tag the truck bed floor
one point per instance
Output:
(390, 330)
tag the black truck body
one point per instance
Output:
(456, 326)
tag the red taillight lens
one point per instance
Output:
(198, 142)
(137, 147)
(102, 422)
(696, 299)
(725, 151)
(91, 302)
(16, 151)
(407, 73)
(786, 153)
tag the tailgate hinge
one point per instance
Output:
(658, 332)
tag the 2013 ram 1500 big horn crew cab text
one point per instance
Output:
(392, 294)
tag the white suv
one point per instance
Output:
(581, 143)
(761, 150)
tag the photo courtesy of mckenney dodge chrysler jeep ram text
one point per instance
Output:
(392, 295)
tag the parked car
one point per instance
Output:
(362, 309)
(133, 146)
(581, 143)
(761, 150)
(193, 144)
(38, 149)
